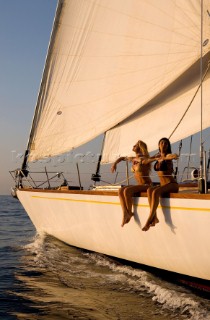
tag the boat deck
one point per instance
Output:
(185, 191)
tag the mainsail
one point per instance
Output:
(113, 62)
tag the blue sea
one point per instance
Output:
(43, 278)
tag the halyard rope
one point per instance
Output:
(191, 101)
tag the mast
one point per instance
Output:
(202, 178)
(96, 177)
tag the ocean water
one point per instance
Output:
(43, 278)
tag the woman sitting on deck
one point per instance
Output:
(164, 168)
(141, 168)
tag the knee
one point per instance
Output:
(156, 193)
(121, 191)
(149, 191)
(127, 192)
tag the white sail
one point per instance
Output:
(174, 114)
(108, 59)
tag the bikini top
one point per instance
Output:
(137, 166)
(160, 166)
(165, 166)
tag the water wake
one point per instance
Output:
(74, 268)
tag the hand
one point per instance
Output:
(176, 156)
(113, 167)
(158, 157)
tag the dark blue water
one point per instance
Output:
(43, 278)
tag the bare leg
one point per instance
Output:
(127, 197)
(153, 207)
(126, 218)
(122, 198)
(128, 193)
(126, 215)
(154, 221)
(149, 194)
(155, 197)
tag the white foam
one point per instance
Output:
(169, 296)
(36, 248)
(173, 299)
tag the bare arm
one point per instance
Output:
(171, 156)
(150, 159)
(114, 166)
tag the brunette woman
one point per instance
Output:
(164, 168)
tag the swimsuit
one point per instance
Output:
(137, 166)
(161, 165)
(165, 166)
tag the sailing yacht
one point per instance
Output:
(128, 69)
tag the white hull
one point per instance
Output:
(179, 243)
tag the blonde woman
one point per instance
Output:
(141, 169)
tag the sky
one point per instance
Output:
(25, 27)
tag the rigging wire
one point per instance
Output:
(177, 161)
(206, 138)
(202, 179)
(201, 97)
(201, 75)
(188, 165)
(207, 69)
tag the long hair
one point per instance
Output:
(169, 145)
(143, 148)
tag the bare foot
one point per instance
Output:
(127, 217)
(146, 227)
(154, 222)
